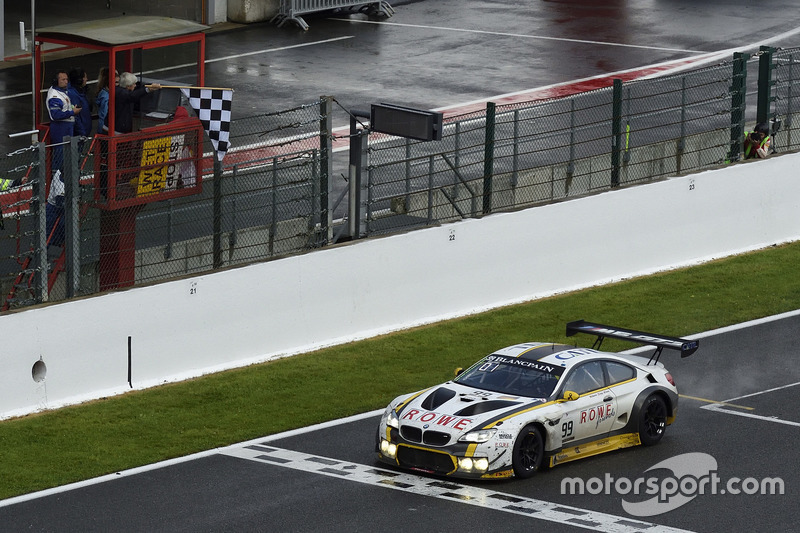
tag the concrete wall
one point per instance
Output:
(246, 11)
(78, 350)
(216, 10)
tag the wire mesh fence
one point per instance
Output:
(22, 229)
(786, 78)
(156, 205)
(520, 155)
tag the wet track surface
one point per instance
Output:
(327, 479)
(437, 54)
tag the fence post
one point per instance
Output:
(765, 83)
(681, 145)
(217, 215)
(39, 204)
(325, 168)
(738, 92)
(571, 164)
(616, 131)
(488, 158)
(789, 108)
(359, 138)
(71, 215)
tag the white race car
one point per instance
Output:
(533, 405)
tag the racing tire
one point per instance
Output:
(528, 452)
(652, 420)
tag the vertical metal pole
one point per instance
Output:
(626, 155)
(2, 30)
(430, 189)
(354, 200)
(34, 88)
(456, 157)
(616, 131)
(488, 157)
(407, 200)
(38, 204)
(764, 84)
(325, 168)
(365, 187)
(681, 146)
(738, 92)
(232, 191)
(273, 224)
(789, 107)
(71, 215)
(515, 163)
(217, 215)
(571, 164)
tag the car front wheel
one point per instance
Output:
(652, 420)
(528, 452)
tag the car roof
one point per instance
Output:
(561, 355)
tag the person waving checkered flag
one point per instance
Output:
(213, 108)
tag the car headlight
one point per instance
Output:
(388, 449)
(478, 436)
(391, 418)
(473, 464)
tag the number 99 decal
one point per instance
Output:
(566, 429)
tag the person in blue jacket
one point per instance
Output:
(62, 116)
(79, 96)
(102, 99)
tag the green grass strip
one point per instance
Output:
(77, 443)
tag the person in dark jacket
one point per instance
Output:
(126, 94)
(79, 96)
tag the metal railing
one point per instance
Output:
(275, 193)
(525, 154)
(292, 10)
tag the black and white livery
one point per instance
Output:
(533, 405)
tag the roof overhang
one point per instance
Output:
(119, 31)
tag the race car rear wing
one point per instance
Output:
(687, 347)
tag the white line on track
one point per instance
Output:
(720, 407)
(444, 490)
(309, 429)
(217, 59)
(518, 35)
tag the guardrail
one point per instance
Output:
(291, 10)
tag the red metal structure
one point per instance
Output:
(131, 169)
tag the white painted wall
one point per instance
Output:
(227, 319)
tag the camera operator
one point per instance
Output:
(756, 142)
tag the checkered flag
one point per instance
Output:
(213, 108)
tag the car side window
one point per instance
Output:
(618, 372)
(585, 378)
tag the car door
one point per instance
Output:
(592, 415)
(621, 379)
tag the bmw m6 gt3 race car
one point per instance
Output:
(534, 405)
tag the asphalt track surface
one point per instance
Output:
(453, 55)
(740, 405)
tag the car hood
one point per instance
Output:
(454, 408)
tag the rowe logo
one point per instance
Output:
(429, 417)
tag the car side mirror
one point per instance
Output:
(458, 371)
(569, 396)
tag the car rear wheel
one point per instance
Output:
(528, 452)
(652, 420)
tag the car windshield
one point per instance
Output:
(508, 375)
